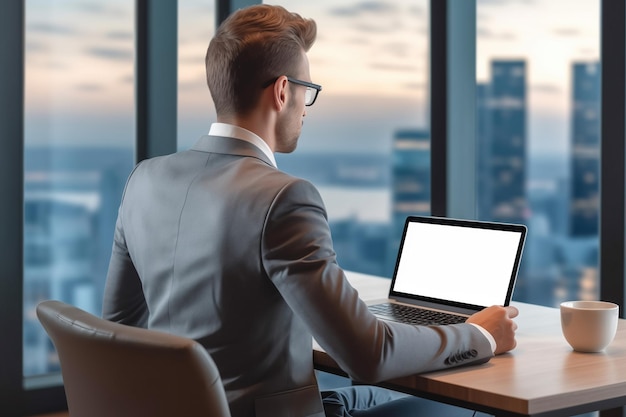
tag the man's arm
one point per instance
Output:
(123, 301)
(298, 257)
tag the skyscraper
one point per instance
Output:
(501, 134)
(410, 177)
(585, 157)
(483, 150)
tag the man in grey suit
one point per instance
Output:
(216, 244)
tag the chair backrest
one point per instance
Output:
(111, 369)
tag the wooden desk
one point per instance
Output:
(541, 377)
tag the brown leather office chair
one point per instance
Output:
(110, 369)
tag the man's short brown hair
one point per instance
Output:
(251, 48)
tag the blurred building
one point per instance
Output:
(585, 153)
(501, 133)
(71, 198)
(410, 180)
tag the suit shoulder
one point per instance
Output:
(275, 176)
(289, 183)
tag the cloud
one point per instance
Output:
(415, 86)
(397, 49)
(485, 33)
(89, 87)
(203, 38)
(36, 46)
(119, 35)
(196, 9)
(394, 67)
(591, 52)
(50, 29)
(417, 11)
(372, 27)
(358, 40)
(502, 2)
(128, 79)
(192, 60)
(378, 16)
(364, 7)
(114, 54)
(99, 9)
(567, 32)
(193, 84)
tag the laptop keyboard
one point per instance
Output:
(414, 315)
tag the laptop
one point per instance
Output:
(448, 269)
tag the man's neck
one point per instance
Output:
(254, 125)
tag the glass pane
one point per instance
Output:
(366, 141)
(196, 25)
(538, 107)
(79, 149)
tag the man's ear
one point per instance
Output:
(280, 92)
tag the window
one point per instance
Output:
(365, 143)
(79, 146)
(195, 107)
(538, 139)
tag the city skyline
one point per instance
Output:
(67, 240)
(371, 57)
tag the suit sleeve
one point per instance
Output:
(123, 300)
(298, 257)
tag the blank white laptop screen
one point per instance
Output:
(459, 264)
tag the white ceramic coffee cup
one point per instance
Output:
(589, 326)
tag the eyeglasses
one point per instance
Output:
(310, 94)
(311, 90)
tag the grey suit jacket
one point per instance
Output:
(216, 244)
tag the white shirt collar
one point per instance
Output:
(232, 131)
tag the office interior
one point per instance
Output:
(505, 111)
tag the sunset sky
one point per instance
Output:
(371, 58)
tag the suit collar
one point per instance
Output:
(229, 146)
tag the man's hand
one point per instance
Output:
(497, 320)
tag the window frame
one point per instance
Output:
(156, 77)
(156, 86)
(612, 152)
(453, 99)
(12, 395)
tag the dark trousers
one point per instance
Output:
(368, 401)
